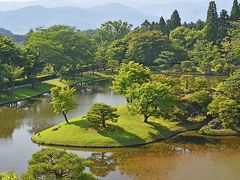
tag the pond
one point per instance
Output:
(186, 156)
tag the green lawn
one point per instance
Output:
(129, 130)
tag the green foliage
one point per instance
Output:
(112, 30)
(201, 98)
(224, 24)
(225, 109)
(56, 164)
(151, 99)
(99, 113)
(8, 176)
(235, 13)
(130, 74)
(231, 86)
(211, 27)
(63, 100)
(145, 46)
(192, 84)
(174, 22)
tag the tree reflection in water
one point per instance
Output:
(103, 163)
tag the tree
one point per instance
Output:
(112, 30)
(151, 99)
(174, 22)
(144, 47)
(231, 86)
(99, 113)
(227, 110)
(8, 176)
(56, 164)
(203, 54)
(146, 25)
(113, 64)
(117, 50)
(128, 75)
(162, 25)
(63, 100)
(224, 24)
(235, 13)
(211, 27)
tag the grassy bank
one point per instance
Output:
(130, 130)
(21, 93)
(221, 132)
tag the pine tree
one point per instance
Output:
(224, 24)
(235, 13)
(174, 22)
(146, 25)
(211, 27)
(162, 25)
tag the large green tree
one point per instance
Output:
(145, 46)
(151, 99)
(211, 27)
(63, 100)
(174, 21)
(99, 113)
(112, 30)
(235, 13)
(130, 74)
(56, 164)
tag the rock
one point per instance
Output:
(215, 124)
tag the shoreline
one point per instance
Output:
(48, 91)
(115, 147)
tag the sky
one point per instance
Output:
(98, 2)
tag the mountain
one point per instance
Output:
(189, 11)
(21, 20)
(17, 38)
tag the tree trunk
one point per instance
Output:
(65, 116)
(32, 85)
(103, 124)
(146, 119)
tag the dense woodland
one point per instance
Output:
(210, 47)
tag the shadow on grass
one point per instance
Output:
(120, 135)
(162, 131)
(81, 123)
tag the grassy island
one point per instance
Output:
(130, 130)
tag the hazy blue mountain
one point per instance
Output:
(21, 20)
(17, 38)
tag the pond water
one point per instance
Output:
(186, 156)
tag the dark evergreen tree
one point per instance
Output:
(162, 25)
(224, 24)
(200, 24)
(211, 27)
(174, 22)
(235, 13)
(154, 26)
(146, 25)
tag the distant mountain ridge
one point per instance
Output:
(21, 20)
(17, 38)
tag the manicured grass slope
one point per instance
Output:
(130, 130)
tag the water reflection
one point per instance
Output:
(103, 163)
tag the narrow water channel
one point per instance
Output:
(186, 156)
